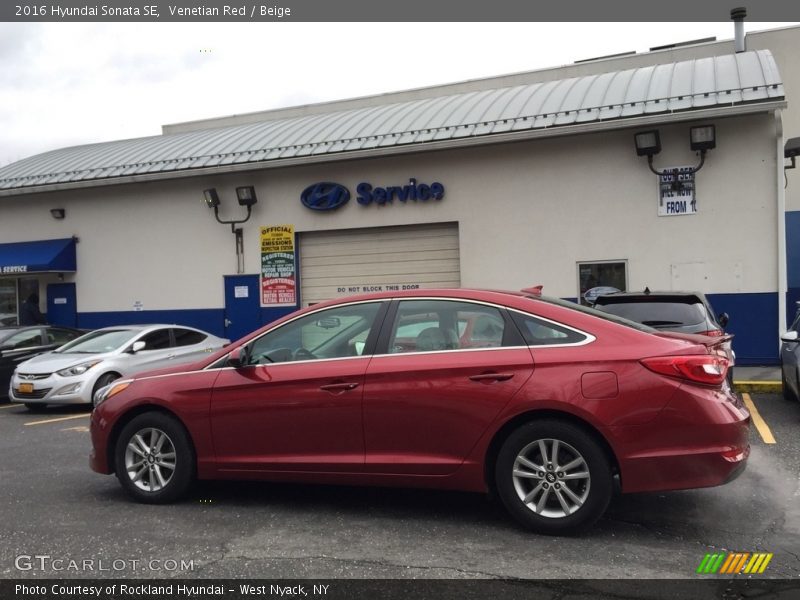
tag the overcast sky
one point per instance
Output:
(65, 84)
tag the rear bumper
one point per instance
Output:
(700, 439)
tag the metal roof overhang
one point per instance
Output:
(19, 258)
(715, 112)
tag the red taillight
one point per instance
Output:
(709, 369)
(712, 333)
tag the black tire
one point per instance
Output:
(35, 407)
(160, 480)
(588, 497)
(103, 381)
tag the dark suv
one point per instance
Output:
(684, 312)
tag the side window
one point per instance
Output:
(156, 340)
(60, 336)
(188, 337)
(537, 332)
(333, 333)
(431, 325)
(24, 339)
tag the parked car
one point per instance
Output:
(684, 312)
(790, 359)
(568, 400)
(18, 344)
(74, 372)
(8, 319)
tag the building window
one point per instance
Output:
(8, 302)
(601, 277)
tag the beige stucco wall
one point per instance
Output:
(527, 213)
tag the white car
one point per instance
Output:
(73, 373)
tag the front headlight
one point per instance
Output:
(78, 369)
(112, 389)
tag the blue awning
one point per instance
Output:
(35, 257)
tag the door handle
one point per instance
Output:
(490, 377)
(228, 322)
(338, 388)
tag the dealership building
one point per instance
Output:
(535, 178)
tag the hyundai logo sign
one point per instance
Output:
(325, 195)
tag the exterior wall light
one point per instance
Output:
(212, 200)
(791, 150)
(246, 197)
(648, 143)
(58, 213)
(701, 139)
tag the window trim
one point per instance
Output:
(589, 338)
(370, 344)
(386, 332)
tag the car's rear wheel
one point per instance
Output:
(154, 458)
(553, 477)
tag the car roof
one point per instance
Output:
(657, 296)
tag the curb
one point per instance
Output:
(763, 387)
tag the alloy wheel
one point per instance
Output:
(551, 478)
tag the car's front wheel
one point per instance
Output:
(154, 459)
(788, 393)
(553, 477)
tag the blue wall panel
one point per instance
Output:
(754, 323)
(210, 320)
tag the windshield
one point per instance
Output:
(596, 313)
(98, 342)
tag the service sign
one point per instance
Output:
(278, 267)
(676, 192)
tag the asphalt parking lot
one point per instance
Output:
(54, 506)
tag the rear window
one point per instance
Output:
(658, 314)
(595, 313)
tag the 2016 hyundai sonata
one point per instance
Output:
(538, 399)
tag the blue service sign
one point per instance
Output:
(325, 195)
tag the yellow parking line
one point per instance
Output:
(58, 419)
(9, 406)
(761, 425)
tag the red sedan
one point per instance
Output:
(540, 400)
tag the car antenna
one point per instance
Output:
(647, 290)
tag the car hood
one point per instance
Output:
(180, 368)
(51, 361)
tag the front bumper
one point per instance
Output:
(52, 389)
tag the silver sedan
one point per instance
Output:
(73, 373)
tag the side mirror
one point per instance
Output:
(723, 319)
(789, 336)
(137, 346)
(237, 358)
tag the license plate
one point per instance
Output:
(25, 388)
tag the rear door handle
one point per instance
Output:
(489, 377)
(338, 388)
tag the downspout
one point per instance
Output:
(781, 206)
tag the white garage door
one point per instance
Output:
(354, 261)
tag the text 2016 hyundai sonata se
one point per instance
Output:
(540, 400)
